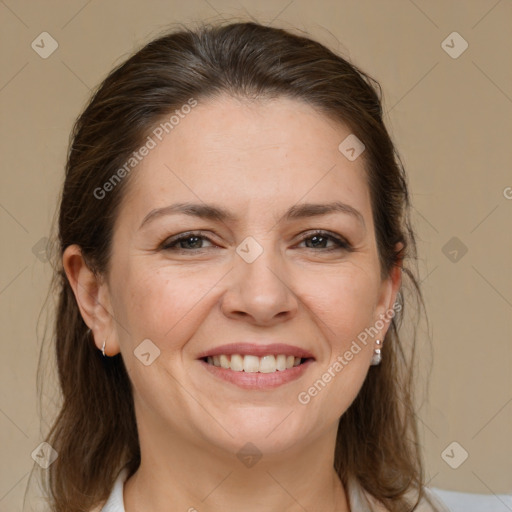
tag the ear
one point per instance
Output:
(388, 293)
(93, 298)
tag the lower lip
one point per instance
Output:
(257, 380)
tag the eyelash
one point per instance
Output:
(170, 244)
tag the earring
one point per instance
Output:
(377, 357)
(103, 347)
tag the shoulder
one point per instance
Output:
(428, 503)
(115, 502)
(431, 503)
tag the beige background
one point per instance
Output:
(451, 119)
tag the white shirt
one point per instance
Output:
(358, 499)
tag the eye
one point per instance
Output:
(193, 241)
(190, 240)
(319, 238)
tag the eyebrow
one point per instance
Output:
(214, 212)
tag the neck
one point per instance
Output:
(193, 477)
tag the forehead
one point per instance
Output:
(263, 153)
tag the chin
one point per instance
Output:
(270, 433)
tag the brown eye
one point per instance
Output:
(185, 242)
(319, 239)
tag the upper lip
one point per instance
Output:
(257, 350)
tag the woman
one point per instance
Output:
(233, 232)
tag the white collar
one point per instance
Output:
(115, 502)
(357, 498)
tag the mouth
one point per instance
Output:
(254, 366)
(248, 363)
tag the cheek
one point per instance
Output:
(164, 308)
(345, 306)
(344, 301)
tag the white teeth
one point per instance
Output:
(252, 364)
(224, 361)
(237, 363)
(268, 364)
(281, 362)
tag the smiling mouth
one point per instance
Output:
(253, 364)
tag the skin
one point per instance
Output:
(256, 159)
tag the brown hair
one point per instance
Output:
(95, 431)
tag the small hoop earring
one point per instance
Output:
(103, 347)
(377, 356)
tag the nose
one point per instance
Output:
(261, 291)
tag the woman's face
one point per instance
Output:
(257, 277)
